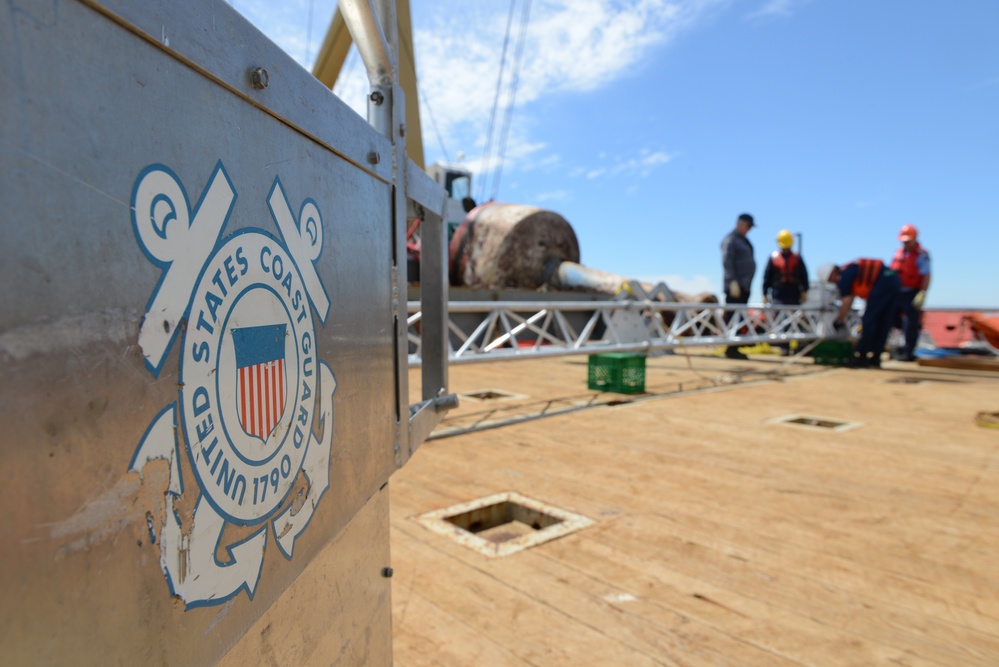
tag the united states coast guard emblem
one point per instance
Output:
(255, 403)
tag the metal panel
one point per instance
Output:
(215, 39)
(423, 190)
(315, 622)
(403, 446)
(164, 234)
(434, 293)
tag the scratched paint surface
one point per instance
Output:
(129, 537)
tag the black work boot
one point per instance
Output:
(856, 361)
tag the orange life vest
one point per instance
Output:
(907, 266)
(870, 270)
(787, 267)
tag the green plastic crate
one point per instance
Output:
(833, 352)
(617, 372)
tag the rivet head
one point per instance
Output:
(259, 78)
(387, 572)
(374, 158)
(376, 97)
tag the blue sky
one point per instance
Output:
(651, 124)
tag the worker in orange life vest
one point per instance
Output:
(912, 263)
(785, 280)
(879, 286)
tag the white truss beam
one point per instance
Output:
(493, 330)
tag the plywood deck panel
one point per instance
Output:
(970, 363)
(720, 537)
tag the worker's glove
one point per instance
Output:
(839, 326)
(734, 290)
(804, 296)
(917, 301)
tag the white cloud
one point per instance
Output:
(571, 46)
(556, 195)
(632, 167)
(641, 166)
(777, 9)
(659, 157)
(552, 160)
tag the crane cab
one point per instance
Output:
(457, 182)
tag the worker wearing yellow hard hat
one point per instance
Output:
(785, 279)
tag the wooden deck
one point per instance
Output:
(720, 537)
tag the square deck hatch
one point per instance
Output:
(491, 395)
(919, 380)
(813, 422)
(503, 523)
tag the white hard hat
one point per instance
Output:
(825, 271)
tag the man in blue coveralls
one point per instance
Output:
(872, 281)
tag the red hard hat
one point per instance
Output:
(908, 233)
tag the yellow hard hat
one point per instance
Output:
(785, 239)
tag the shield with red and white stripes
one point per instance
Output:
(263, 386)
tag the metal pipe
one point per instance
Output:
(385, 10)
(570, 275)
(377, 55)
(375, 50)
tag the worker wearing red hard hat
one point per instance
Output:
(912, 263)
